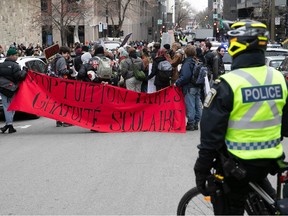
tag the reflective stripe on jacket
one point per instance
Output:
(254, 127)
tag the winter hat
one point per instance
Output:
(131, 49)
(167, 46)
(85, 48)
(78, 51)
(132, 52)
(99, 50)
(85, 57)
(11, 51)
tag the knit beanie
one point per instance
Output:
(167, 46)
(11, 51)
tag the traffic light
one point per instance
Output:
(150, 31)
(163, 28)
(214, 28)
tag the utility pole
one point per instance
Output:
(214, 17)
(272, 31)
(106, 13)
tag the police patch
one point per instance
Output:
(261, 93)
(209, 98)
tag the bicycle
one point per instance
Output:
(257, 203)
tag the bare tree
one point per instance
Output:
(60, 14)
(202, 19)
(116, 11)
(183, 12)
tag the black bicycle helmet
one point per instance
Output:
(247, 35)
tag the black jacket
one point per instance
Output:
(155, 70)
(12, 71)
(77, 62)
(82, 73)
(214, 121)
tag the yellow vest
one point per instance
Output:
(254, 127)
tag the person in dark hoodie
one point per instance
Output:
(77, 60)
(62, 70)
(191, 92)
(161, 56)
(10, 70)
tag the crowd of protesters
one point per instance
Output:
(139, 55)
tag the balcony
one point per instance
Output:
(252, 3)
(241, 5)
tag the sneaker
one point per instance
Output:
(59, 124)
(66, 125)
(189, 128)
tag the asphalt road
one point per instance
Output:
(71, 171)
(47, 170)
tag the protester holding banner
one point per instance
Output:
(88, 71)
(10, 71)
(191, 91)
(62, 70)
(126, 70)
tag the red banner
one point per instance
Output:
(101, 107)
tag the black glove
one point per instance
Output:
(202, 169)
(201, 183)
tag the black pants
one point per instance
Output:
(233, 201)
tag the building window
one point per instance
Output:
(44, 5)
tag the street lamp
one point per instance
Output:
(272, 21)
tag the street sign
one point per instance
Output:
(105, 26)
(277, 20)
(215, 16)
(159, 22)
(100, 27)
(215, 6)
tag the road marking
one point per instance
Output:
(24, 126)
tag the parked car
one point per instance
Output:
(32, 63)
(112, 45)
(274, 61)
(276, 52)
(284, 67)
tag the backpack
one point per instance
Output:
(164, 71)
(104, 70)
(198, 74)
(51, 69)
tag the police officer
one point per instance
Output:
(244, 119)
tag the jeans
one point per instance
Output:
(9, 115)
(193, 105)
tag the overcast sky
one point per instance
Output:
(199, 5)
